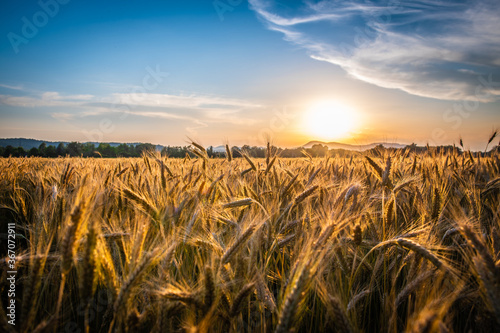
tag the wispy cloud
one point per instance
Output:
(45, 99)
(55, 96)
(195, 110)
(11, 87)
(208, 109)
(427, 48)
(63, 116)
(181, 101)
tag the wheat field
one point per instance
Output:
(386, 242)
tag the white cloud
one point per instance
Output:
(428, 48)
(195, 110)
(45, 99)
(55, 96)
(180, 101)
(62, 116)
(193, 101)
(18, 87)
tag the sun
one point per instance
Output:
(328, 120)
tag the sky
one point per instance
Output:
(242, 72)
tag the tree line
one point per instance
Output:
(77, 149)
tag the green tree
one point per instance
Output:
(9, 151)
(19, 152)
(88, 149)
(106, 150)
(74, 148)
(124, 150)
(143, 147)
(41, 149)
(33, 152)
(51, 151)
(61, 149)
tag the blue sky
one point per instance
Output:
(237, 71)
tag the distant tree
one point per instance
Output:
(124, 150)
(41, 149)
(9, 151)
(106, 150)
(295, 152)
(33, 152)
(446, 149)
(254, 151)
(175, 151)
(318, 150)
(143, 147)
(88, 149)
(236, 152)
(51, 151)
(61, 149)
(411, 148)
(164, 152)
(74, 148)
(19, 152)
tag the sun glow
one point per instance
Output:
(328, 120)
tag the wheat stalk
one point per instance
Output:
(291, 301)
(237, 244)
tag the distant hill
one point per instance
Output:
(219, 149)
(27, 144)
(337, 145)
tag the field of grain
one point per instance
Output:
(389, 242)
